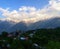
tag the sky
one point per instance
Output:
(15, 4)
(34, 10)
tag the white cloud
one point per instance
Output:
(24, 8)
(31, 13)
(55, 4)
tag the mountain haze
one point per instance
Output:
(24, 26)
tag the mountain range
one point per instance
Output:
(11, 26)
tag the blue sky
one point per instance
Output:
(15, 4)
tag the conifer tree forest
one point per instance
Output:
(33, 39)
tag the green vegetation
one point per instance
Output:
(33, 39)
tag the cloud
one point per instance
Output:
(55, 4)
(52, 9)
(24, 8)
(33, 14)
(23, 13)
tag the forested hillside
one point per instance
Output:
(33, 39)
